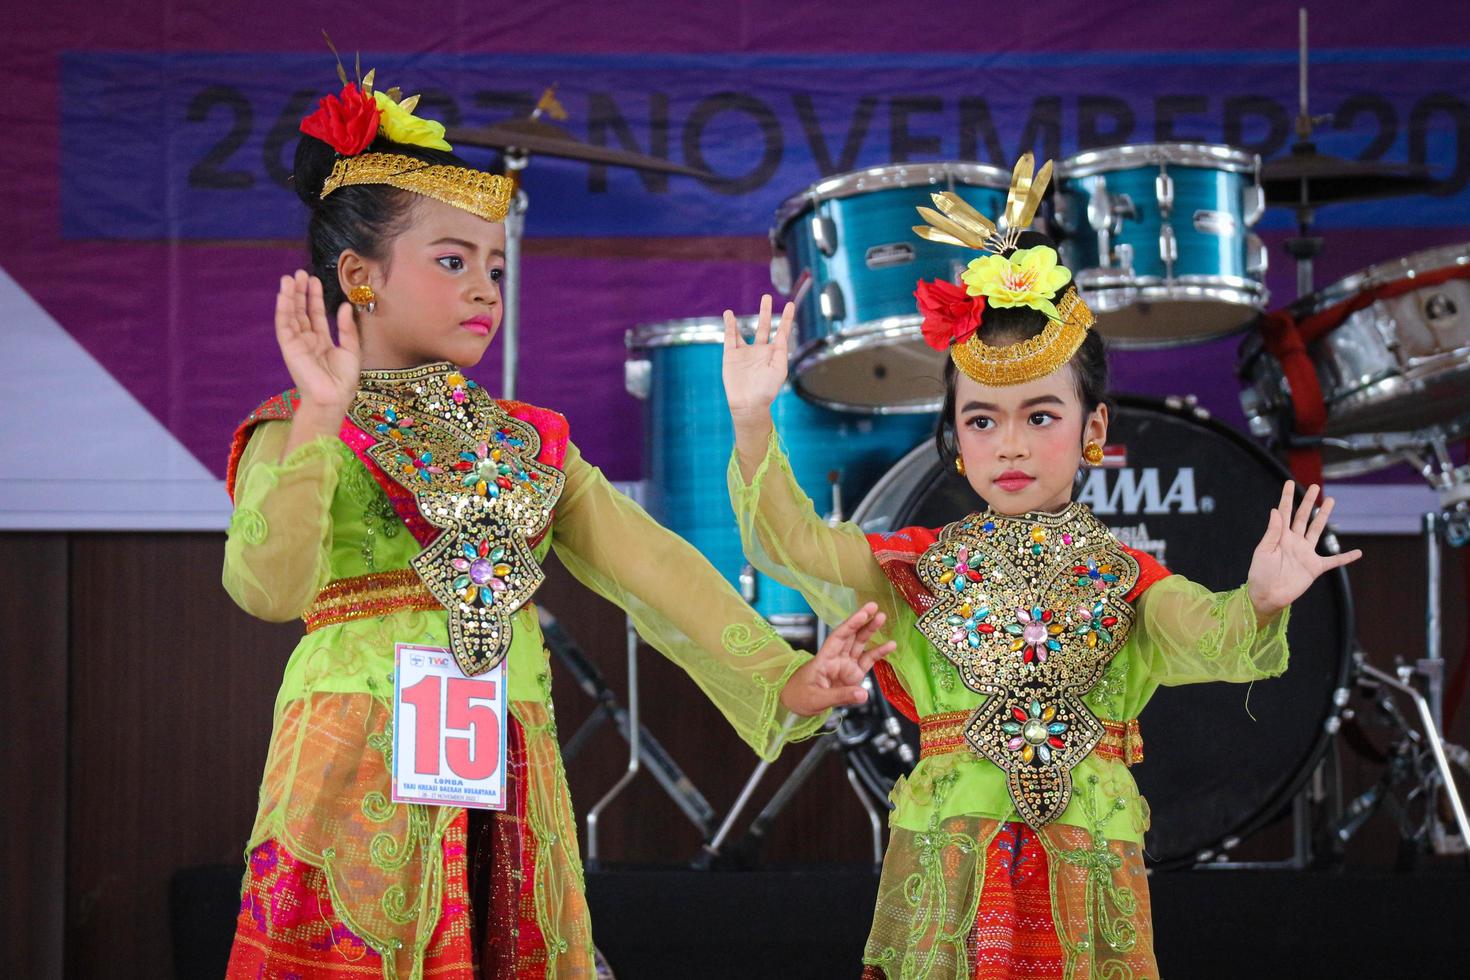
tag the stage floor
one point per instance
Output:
(810, 923)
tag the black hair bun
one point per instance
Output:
(311, 168)
(1031, 239)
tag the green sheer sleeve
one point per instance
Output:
(680, 604)
(831, 565)
(1187, 634)
(278, 548)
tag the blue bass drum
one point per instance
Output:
(675, 370)
(1158, 237)
(846, 247)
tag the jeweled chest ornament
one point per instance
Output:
(1030, 609)
(473, 472)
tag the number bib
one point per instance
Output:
(448, 731)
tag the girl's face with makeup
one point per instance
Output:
(438, 290)
(1022, 444)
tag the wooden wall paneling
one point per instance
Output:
(33, 637)
(172, 694)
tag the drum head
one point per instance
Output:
(882, 368)
(1133, 317)
(1221, 759)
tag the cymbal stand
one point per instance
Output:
(510, 288)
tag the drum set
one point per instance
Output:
(1372, 371)
(1160, 238)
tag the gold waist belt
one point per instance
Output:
(366, 596)
(940, 734)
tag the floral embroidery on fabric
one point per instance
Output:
(249, 524)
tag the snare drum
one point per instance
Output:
(1395, 370)
(1158, 237)
(1193, 494)
(848, 241)
(675, 370)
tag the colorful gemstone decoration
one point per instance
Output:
(1095, 625)
(958, 571)
(1035, 733)
(969, 625)
(505, 437)
(482, 571)
(1038, 539)
(1035, 632)
(1099, 576)
(389, 425)
(459, 386)
(423, 463)
(988, 527)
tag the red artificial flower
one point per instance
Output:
(951, 314)
(347, 122)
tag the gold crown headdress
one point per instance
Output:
(1007, 277)
(349, 122)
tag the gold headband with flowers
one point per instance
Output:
(1008, 277)
(350, 121)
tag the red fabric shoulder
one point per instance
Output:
(553, 426)
(281, 407)
(1149, 572)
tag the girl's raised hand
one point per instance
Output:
(754, 372)
(835, 675)
(325, 373)
(1286, 562)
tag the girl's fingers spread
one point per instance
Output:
(1319, 523)
(783, 331)
(1304, 512)
(1272, 537)
(763, 325)
(1346, 558)
(732, 330)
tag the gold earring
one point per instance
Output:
(959, 465)
(1092, 453)
(363, 298)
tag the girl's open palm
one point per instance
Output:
(1286, 562)
(754, 372)
(325, 373)
(835, 675)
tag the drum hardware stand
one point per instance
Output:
(838, 735)
(635, 754)
(660, 764)
(1409, 764)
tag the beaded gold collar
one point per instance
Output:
(473, 471)
(1030, 609)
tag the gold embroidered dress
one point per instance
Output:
(1054, 756)
(316, 534)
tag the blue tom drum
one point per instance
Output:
(845, 246)
(675, 370)
(1158, 236)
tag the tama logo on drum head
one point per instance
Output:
(1141, 491)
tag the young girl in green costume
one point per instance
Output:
(387, 499)
(1029, 639)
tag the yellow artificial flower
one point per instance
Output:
(402, 126)
(1027, 278)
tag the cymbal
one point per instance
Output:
(1332, 179)
(548, 139)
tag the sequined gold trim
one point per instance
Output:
(1029, 359)
(483, 195)
(945, 733)
(366, 596)
(1030, 609)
